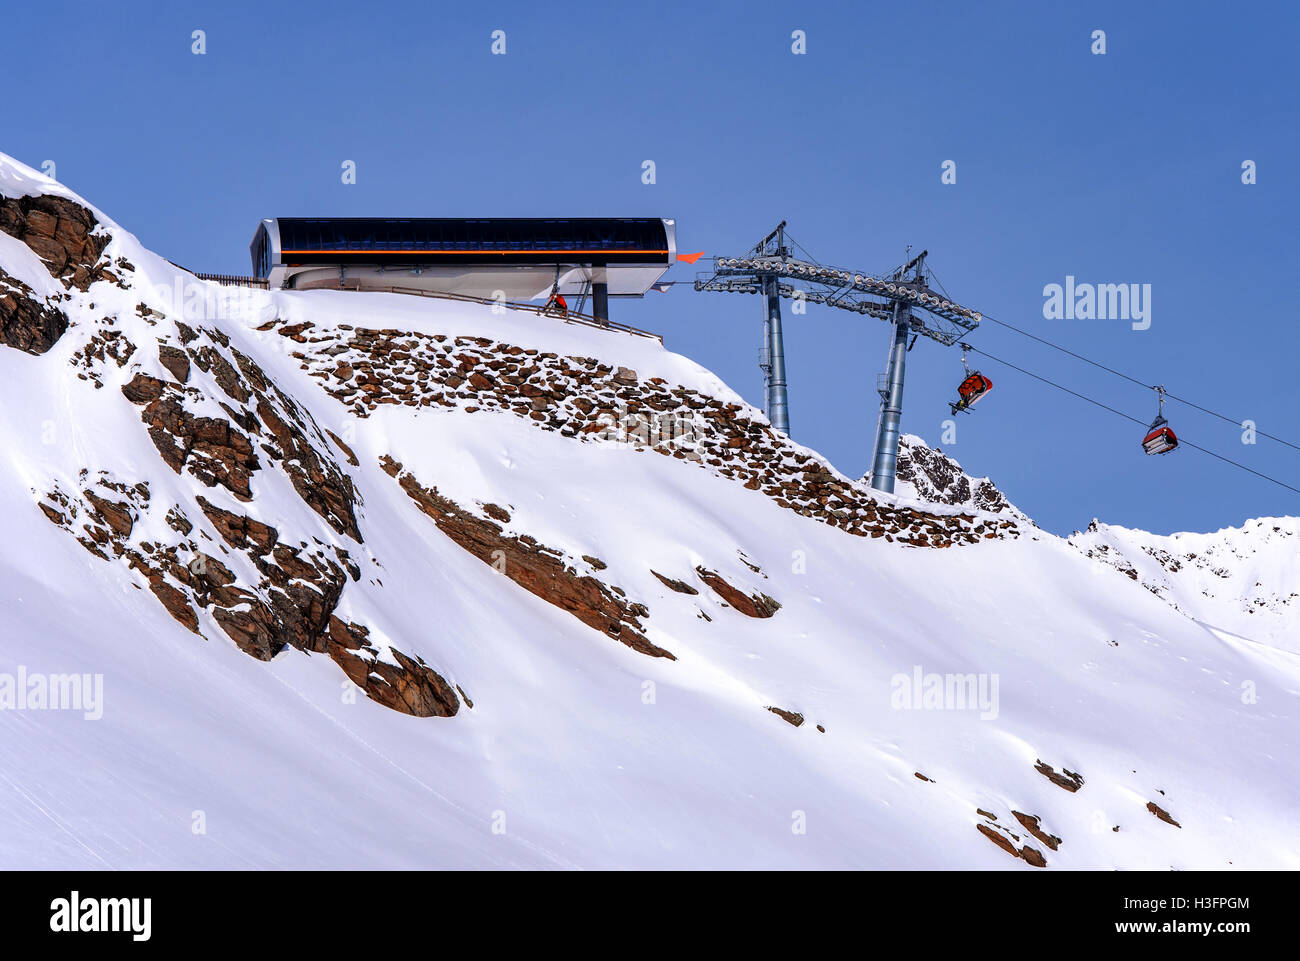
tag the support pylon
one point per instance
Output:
(885, 462)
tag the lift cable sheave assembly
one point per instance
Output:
(902, 297)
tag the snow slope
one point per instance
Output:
(1243, 580)
(579, 750)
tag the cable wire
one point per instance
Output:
(1097, 403)
(1134, 380)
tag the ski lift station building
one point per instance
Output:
(520, 259)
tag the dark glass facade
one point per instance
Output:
(596, 241)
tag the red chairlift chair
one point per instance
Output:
(1160, 438)
(970, 390)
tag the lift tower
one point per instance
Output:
(902, 298)
(772, 355)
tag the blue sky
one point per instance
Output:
(1121, 168)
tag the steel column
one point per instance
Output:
(778, 411)
(600, 302)
(885, 461)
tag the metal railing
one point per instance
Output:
(570, 317)
(231, 280)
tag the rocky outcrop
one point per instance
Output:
(291, 605)
(25, 323)
(1007, 841)
(62, 233)
(1033, 857)
(538, 569)
(224, 451)
(999, 839)
(928, 474)
(263, 589)
(582, 398)
(680, 587)
(409, 686)
(1162, 814)
(176, 361)
(751, 605)
(1067, 779)
(790, 717)
(105, 343)
(1030, 822)
(213, 450)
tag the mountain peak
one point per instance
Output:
(927, 474)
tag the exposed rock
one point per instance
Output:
(928, 474)
(321, 484)
(176, 361)
(176, 604)
(680, 587)
(117, 515)
(106, 343)
(1030, 823)
(497, 513)
(751, 605)
(580, 397)
(788, 716)
(292, 597)
(410, 686)
(241, 533)
(252, 630)
(1162, 814)
(1068, 780)
(26, 324)
(533, 566)
(1031, 856)
(999, 839)
(61, 233)
(212, 361)
(221, 452)
(347, 451)
(209, 447)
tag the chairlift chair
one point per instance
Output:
(972, 388)
(1160, 438)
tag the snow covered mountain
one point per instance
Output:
(1244, 580)
(328, 579)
